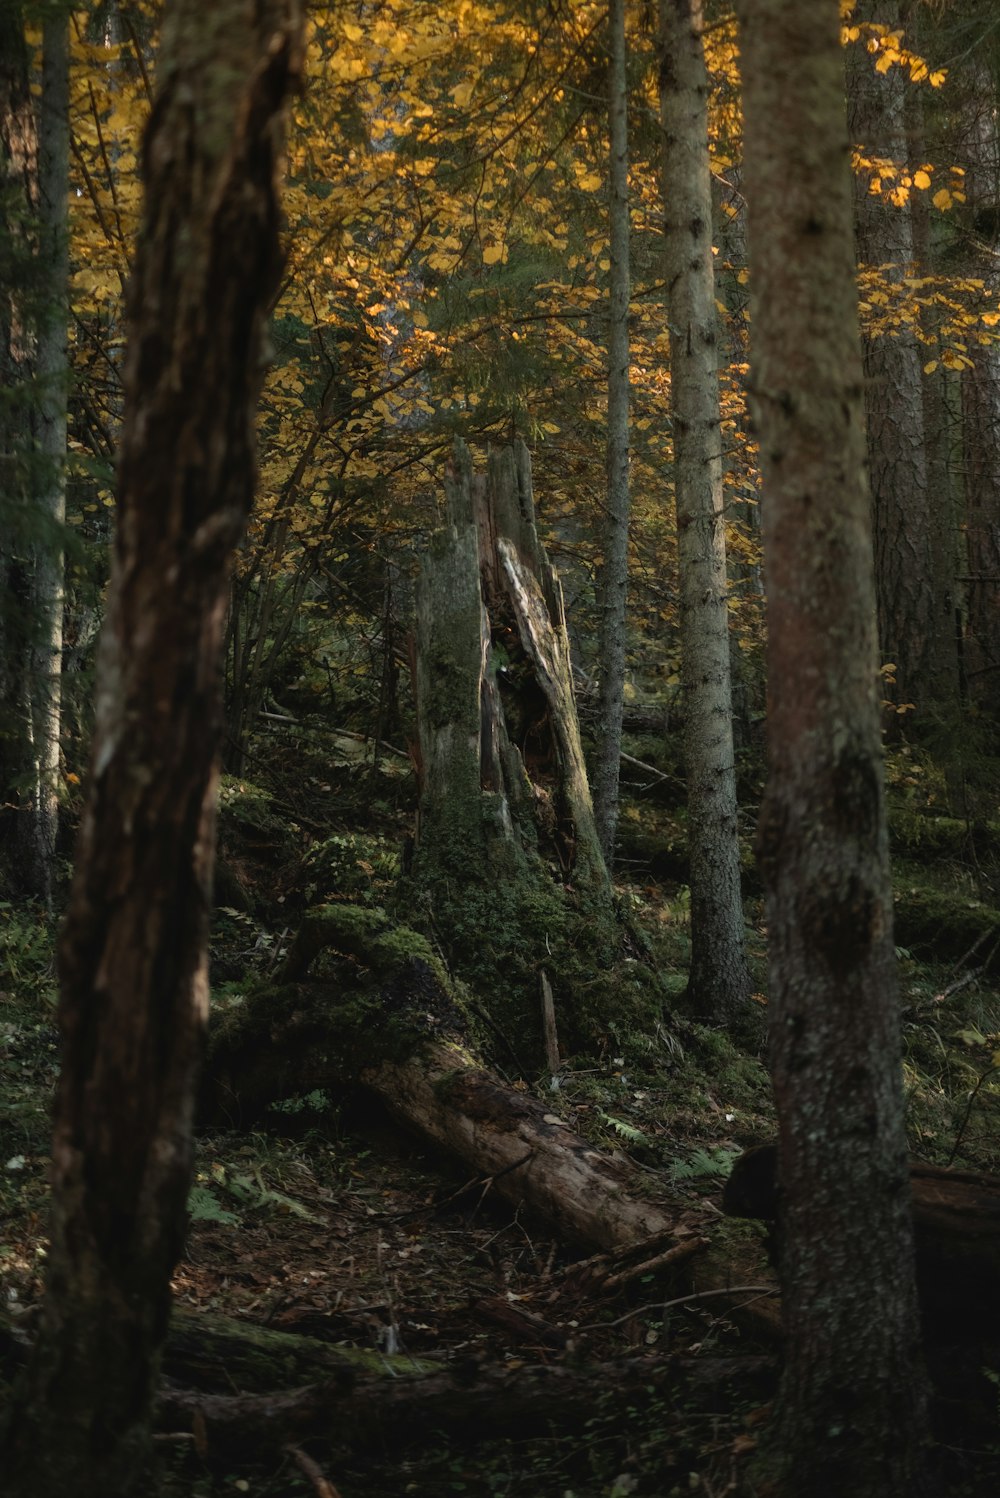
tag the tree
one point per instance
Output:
(719, 982)
(52, 369)
(614, 578)
(133, 976)
(850, 1408)
(19, 310)
(897, 454)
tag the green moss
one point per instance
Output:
(946, 919)
(500, 933)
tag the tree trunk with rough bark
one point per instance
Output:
(719, 982)
(981, 393)
(133, 973)
(52, 371)
(894, 413)
(614, 574)
(507, 870)
(850, 1412)
(20, 299)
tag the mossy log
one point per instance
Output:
(507, 869)
(206, 1350)
(945, 924)
(475, 1402)
(385, 1015)
(956, 1220)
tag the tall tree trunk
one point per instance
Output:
(981, 389)
(133, 968)
(850, 1409)
(52, 368)
(897, 456)
(719, 982)
(19, 538)
(614, 577)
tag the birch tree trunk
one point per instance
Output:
(33, 226)
(719, 983)
(133, 969)
(614, 576)
(850, 1412)
(52, 370)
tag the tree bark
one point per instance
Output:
(614, 574)
(507, 866)
(850, 1413)
(897, 455)
(19, 538)
(133, 979)
(980, 387)
(52, 369)
(719, 982)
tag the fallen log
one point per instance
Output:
(956, 1220)
(530, 1155)
(478, 1402)
(387, 1016)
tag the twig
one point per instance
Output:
(673, 1255)
(322, 1484)
(682, 1300)
(641, 764)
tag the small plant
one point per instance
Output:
(203, 1206)
(624, 1130)
(703, 1162)
(351, 867)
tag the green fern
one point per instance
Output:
(626, 1131)
(703, 1162)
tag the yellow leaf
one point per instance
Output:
(494, 253)
(938, 78)
(921, 180)
(942, 199)
(352, 32)
(589, 182)
(931, 367)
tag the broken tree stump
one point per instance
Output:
(507, 874)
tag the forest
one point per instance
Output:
(499, 762)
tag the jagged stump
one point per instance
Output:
(507, 873)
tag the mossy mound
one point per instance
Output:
(357, 989)
(945, 921)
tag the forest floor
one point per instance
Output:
(326, 1221)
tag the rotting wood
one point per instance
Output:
(533, 1158)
